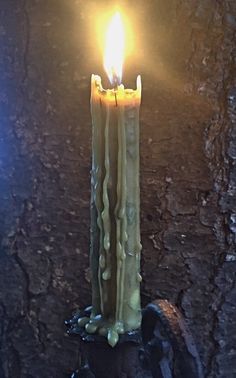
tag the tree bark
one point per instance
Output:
(185, 52)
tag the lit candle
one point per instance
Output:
(115, 202)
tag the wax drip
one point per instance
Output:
(118, 222)
(105, 214)
(96, 180)
(138, 243)
(121, 218)
(98, 203)
(123, 213)
(97, 197)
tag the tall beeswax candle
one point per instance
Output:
(115, 205)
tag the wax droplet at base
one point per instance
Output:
(112, 337)
(91, 328)
(83, 321)
(120, 328)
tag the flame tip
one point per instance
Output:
(114, 51)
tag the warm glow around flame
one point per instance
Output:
(114, 49)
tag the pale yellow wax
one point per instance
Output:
(115, 206)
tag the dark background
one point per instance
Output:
(186, 55)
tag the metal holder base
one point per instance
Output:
(162, 348)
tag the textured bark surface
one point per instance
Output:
(186, 55)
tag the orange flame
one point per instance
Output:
(114, 49)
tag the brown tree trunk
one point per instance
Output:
(185, 52)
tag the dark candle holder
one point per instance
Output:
(162, 348)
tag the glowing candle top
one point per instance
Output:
(114, 50)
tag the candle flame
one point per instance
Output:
(114, 49)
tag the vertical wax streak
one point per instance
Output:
(118, 226)
(121, 216)
(131, 295)
(118, 218)
(124, 236)
(105, 214)
(96, 203)
(137, 198)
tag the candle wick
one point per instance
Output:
(116, 83)
(115, 79)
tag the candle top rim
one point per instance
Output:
(121, 92)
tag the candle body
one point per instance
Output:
(115, 206)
